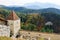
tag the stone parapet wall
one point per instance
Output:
(4, 30)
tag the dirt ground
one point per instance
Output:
(52, 36)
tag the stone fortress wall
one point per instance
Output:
(4, 30)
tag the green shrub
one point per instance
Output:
(47, 29)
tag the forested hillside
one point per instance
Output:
(33, 20)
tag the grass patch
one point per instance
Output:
(41, 38)
(5, 38)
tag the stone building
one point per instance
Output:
(4, 28)
(10, 25)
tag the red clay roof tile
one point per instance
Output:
(12, 16)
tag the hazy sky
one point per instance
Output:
(22, 2)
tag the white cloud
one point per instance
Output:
(21, 2)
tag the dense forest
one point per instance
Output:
(42, 22)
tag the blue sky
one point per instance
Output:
(22, 2)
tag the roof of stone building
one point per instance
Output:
(12, 16)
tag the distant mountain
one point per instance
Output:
(2, 6)
(52, 10)
(37, 5)
(26, 10)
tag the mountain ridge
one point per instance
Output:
(37, 5)
(26, 10)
